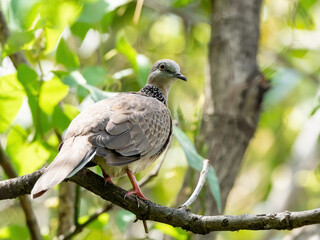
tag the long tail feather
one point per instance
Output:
(74, 154)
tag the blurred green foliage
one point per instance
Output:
(83, 51)
(80, 52)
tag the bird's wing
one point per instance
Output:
(138, 126)
(76, 151)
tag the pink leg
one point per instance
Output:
(107, 178)
(136, 189)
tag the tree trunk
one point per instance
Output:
(234, 90)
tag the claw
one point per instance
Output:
(107, 178)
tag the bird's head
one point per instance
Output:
(164, 73)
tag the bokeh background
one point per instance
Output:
(77, 48)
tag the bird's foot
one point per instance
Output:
(136, 193)
(107, 178)
(136, 188)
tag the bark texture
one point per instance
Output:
(147, 210)
(234, 90)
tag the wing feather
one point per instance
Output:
(138, 125)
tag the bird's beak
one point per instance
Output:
(180, 76)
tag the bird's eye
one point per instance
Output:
(161, 67)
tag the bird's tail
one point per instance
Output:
(74, 154)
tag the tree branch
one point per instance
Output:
(147, 210)
(202, 179)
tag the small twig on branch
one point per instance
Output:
(24, 200)
(77, 229)
(202, 179)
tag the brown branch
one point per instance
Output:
(24, 200)
(147, 210)
(79, 227)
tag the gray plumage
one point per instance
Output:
(121, 133)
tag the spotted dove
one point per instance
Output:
(122, 134)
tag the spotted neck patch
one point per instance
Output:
(154, 92)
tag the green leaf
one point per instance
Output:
(59, 119)
(26, 157)
(283, 82)
(75, 79)
(176, 233)
(80, 29)
(306, 4)
(299, 53)
(316, 107)
(140, 63)
(14, 232)
(93, 12)
(124, 47)
(100, 223)
(62, 116)
(70, 111)
(29, 80)
(66, 57)
(11, 97)
(181, 3)
(52, 37)
(143, 70)
(17, 41)
(195, 160)
(214, 187)
(52, 92)
(123, 218)
(94, 75)
(303, 19)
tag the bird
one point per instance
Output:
(123, 134)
